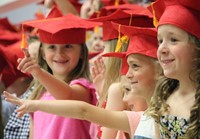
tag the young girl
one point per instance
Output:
(141, 58)
(66, 57)
(176, 103)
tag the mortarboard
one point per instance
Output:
(137, 17)
(6, 25)
(113, 2)
(69, 29)
(9, 56)
(181, 13)
(142, 40)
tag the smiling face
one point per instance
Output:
(134, 101)
(143, 72)
(175, 52)
(62, 59)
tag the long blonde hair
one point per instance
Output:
(113, 64)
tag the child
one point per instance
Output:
(141, 58)
(176, 103)
(65, 55)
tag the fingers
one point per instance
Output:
(99, 66)
(26, 53)
(11, 98)
(20, 114)
(26, 63)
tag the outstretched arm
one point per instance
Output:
(73, 109)
(58, 88)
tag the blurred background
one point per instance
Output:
(20, 10)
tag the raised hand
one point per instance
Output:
(98, 74)
(28, 64)
(25, 106)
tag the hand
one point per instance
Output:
(28, 64)
(98, 74)
(85, 9)
(25, 106)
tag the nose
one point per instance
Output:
(60, 51)
(129, 74)
(163, 48)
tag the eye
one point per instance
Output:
(68, 46)
(51, 47)
(135, 66)
(173, 40)
(160, 41)
(126, 90)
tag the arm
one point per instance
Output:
(157, 130)
(31, 129)
(114, 102)
(59, 89)
(66, 7)
(73, 109)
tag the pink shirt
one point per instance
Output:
(134, 119)
(48, 126)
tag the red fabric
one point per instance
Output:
(187, 18)
(69, 29)
(122, 55)
(142, 40)
(138, 17)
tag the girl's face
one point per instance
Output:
(175, 52)
(133, 101)
(62, 59)
(98, 43)
(142, 73)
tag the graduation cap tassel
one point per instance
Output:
(23, 43)
(121, 40)
(155, 21)
(116, 3)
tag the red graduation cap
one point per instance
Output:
(9, 56)
(135, 17)
(6, 35)
(69, 29)
(142, 40)
(122, 55)
(6, 25)
(107, 10)
(181, 13)
(113, 2)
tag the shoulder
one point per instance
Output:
(115, 87)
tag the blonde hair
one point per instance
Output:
(113, 64)
(166, 86)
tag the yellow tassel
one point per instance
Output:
(120, 42)
(116, 3)
(96, 29)
(155, 21)
(23, 43)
